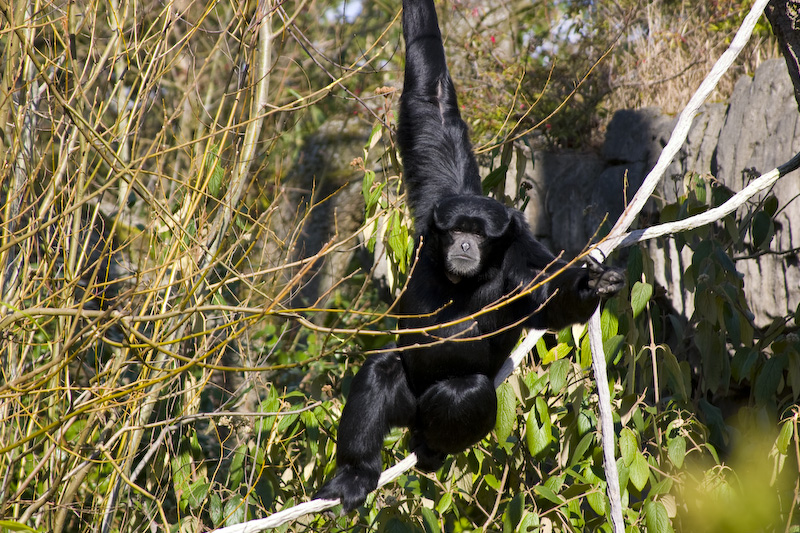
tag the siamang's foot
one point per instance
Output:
(605, 281)
(427, 460)
(350, 485)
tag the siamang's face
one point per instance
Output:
(464, 253)
(468, 227)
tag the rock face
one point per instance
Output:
(573, 193)
(323, 198)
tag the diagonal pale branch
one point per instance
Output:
(762, 183)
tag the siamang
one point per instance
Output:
(470, 294)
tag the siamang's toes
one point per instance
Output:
(350, 486)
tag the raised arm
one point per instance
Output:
(433, 139)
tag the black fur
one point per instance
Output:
(440, 383)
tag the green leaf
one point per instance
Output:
(597, 501)
(213, 166)
(506, 412)
(395, 525)
(236, 470)
(794, 371)
(673, 371)
(492, 481)
(559, 351)
(624, 474)
(711, 353)
(587, 421)
(612, 346)
(771, 205)
(762, 230)
(10, 525)
(429, 521)
(374, 136)
(529, 523)
(662, 487)
(580, 449)
(235, 510)
(197, 493)
(495, 178)
(270, 405)
(215, 509)
(181, 467)
(366, 187)
(785, 437)
(558, 374)
(538, 429)
(541, 346)
(586, 353)
(444, 503)
(769, 379)
(635, 263)
(548, 494)
(609, 323)
(628, 446)
(639, 471)
(513, 512)
(656, 518)
(264, 491)
(640, 295)
(286, 421)
(397, 240)
(676, 450)
(312, 430)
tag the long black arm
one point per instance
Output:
(433, 139)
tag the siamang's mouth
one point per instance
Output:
(463, 266)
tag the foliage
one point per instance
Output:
(159, 370)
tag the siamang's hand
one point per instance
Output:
(605, 281)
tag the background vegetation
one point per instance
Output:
(163, 365)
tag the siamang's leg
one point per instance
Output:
(452, 415)
(379, 400)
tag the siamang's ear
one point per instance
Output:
(496, 221)
(442, 221)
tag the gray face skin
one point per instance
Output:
(464, 255)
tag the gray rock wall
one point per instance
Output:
(758, 130)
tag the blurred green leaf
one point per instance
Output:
(676, 450)
(558, 374)
(538, 428)
(235, 510)
(548, 494)
(628, 446)
(429, 521)
(656, 518)
(639, 471)
(506, 412)
(10, 525)
(640, 295)
(785, 436)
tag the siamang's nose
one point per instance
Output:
(465, 246)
